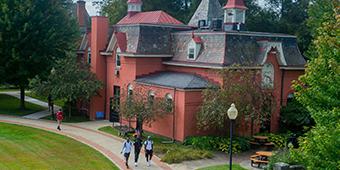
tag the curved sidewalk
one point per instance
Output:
(108, 145)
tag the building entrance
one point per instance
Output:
(114, 104)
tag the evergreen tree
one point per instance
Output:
(33, 34)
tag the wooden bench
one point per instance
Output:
(258, 162)
(254, 143)
(269, 144)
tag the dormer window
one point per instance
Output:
(191, 55)
(194, 47)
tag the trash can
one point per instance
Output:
(99, 115)
(281, 166)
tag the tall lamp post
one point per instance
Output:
(232, 114)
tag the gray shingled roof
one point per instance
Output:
(147, 39)
(207, 10)
(228, 48)
(175, 80)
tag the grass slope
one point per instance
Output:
(223, 167)
(10, 105)
(28, 148)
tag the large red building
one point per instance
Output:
(177, 61)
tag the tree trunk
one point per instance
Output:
(22, 98)
(252, 127)
(69, 110)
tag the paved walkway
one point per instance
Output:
(37, 115)
(109, 145)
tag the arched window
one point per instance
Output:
(130, 90)
(268, 75)
(151, 97)
(169, 102)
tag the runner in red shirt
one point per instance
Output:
(59, 118)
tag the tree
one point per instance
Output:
(291, 18)
(115, 10)
(33, 34)
(295, 117)
(240, 86)
(144, 107)
(319, 90)
(318, 12)
(69, 80)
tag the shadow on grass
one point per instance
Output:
(9, 105)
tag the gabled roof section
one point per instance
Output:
(197, 39)
(83, 43)
(207, 10)
(235, 4)
(175, 80)
(119, 39)
(151, 17)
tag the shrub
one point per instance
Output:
(279, 140)
(281, 156)
(294, 117)
(218, 143)
(177, 155)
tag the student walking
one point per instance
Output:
(127, 146)
(59, 118)
(148, 144)
(138, 146)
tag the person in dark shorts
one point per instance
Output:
(138, 146)
(127, 146)
(148, 144)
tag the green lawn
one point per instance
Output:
(8, 88)
(44, 98)
(28, 148)
(73, 119)
(10, 105)
(169, 153)
(223, 167)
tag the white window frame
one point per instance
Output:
(193, 46)
(130, 90)
(168, 99)
(191, 49)
(120, 61)
(89, 55)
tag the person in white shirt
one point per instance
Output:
(127, 146)
(148, 145)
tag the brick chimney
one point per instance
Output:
(99, 39)
(134, 7)
(81, 13)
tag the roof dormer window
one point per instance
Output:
(194, 47)
(191, 54)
